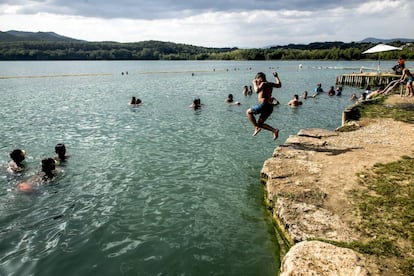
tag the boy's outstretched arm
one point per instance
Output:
(277, 82)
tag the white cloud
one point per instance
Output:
(203, 26)
(379, 7)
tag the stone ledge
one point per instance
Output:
(319, 258)
(306, 221)
(294, 195)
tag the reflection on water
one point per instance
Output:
(156, 190)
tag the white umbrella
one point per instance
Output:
(381, 48)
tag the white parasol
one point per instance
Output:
(381, 48)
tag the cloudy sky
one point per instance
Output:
(213, 23)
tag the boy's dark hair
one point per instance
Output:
(48, 165)
(261, 75)
(60, 148)
(17, 155)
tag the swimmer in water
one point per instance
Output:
(132, 101)
(60, 151)
(16, 164)
(196, 104)
(135, 101)
(295, 101)
(46, 174)
(229, 100)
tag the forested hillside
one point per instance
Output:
(50, 46)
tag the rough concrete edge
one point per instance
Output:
(281, 231)
(349, 123)
(286, 241)
(283, 237)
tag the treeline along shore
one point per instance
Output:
(158, 50)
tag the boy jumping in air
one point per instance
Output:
(264, 90)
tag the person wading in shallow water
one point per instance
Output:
(264, 90)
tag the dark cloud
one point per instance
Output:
(159, 9)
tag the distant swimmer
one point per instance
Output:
(16, 164)
(60, 151)
(196, 104)
(45, 175)
(353, 97)
(245, 90)
(264, 90)
(134, 101)
(250, 91)
(318, 90)
(295, 101)
(339, 91)
(230, 100)
(331, 91)
(305, 95)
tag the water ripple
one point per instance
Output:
(157, 190)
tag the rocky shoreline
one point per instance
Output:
(308, 182)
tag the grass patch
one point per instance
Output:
(385, 207)
(381, 246)
(377, 108)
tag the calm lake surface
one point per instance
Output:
(156, 190)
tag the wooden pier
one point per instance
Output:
(363, 79)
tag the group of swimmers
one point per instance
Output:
(47, 172)
(247, 90)
(318, 90)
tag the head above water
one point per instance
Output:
(18, 155)
(60, 150)
(48, 165)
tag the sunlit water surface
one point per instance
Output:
(156, 190)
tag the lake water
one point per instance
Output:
(156, 190)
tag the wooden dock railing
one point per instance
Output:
(364, 79)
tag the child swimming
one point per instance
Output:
(46, 174)
(16, 165)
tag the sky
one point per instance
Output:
(213, 23)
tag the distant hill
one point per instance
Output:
(13, 36)
(381, 40)
(51, 46)
(16, 36)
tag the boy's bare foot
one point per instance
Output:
(256, 130)
(275, 134)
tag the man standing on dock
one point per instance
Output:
(264, 90)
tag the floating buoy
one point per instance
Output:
(300, 66)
